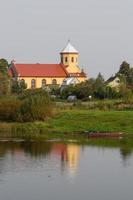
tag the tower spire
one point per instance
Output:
(69, 48)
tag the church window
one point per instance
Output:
(33, 84)
(54, 81)
(66, 59)
(22, 81)
(43, 83)
(72, 59)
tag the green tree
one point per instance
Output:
(18, 86)
(124, 68)
(99, 87)
(126, 72)
(4, 66)
(4, 78)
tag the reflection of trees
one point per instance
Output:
(3, 149)
(125, 145)
(126, 152)
(126, 148)
(37, 149)
(32, 148)
(6, 146)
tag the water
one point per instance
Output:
(57, 171)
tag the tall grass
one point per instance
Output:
(31, 108)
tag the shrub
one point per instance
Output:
(31, 92)
(18, 87)
(36, 107)
(29, 108)
(9, 108)
(128, 96)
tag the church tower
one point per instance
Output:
(69, 58)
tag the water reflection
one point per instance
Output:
(68, 155)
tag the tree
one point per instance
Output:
(4, 78)
(124, 68)
(126, 72)
(4, 66)
(99, 87)
(18, 86)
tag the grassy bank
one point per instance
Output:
(69, 123)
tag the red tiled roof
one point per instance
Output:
(40, 70)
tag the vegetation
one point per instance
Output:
(18, 87)
(71, 123)
(26, 107)
(98, 89)
(4, 78)
(36, 107)
(126, 73)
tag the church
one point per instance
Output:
(43, 75)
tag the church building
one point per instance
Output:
(42, 75)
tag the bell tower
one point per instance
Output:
(69, 58)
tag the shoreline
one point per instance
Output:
(71, 123)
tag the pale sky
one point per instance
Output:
(37, 30)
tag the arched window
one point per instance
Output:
(72, 59)
(43, 83)
(54, 81)
(66, 59)
(33, 84)
(22, 81)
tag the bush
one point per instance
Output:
(9, 108)
(36, 107)
(29, 108)
(128, 96)
(18, 87)
(31, 92)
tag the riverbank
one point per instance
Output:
(71, 123)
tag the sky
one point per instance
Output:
(35, 31)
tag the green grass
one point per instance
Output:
(84, 120)
(69, 123)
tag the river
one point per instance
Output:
(65, 171)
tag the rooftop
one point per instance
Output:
(40, 70)
(69, 49)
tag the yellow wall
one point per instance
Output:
(39, 81)
(72, 66)
(114, 83)
(82, 79)
(48, 80)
